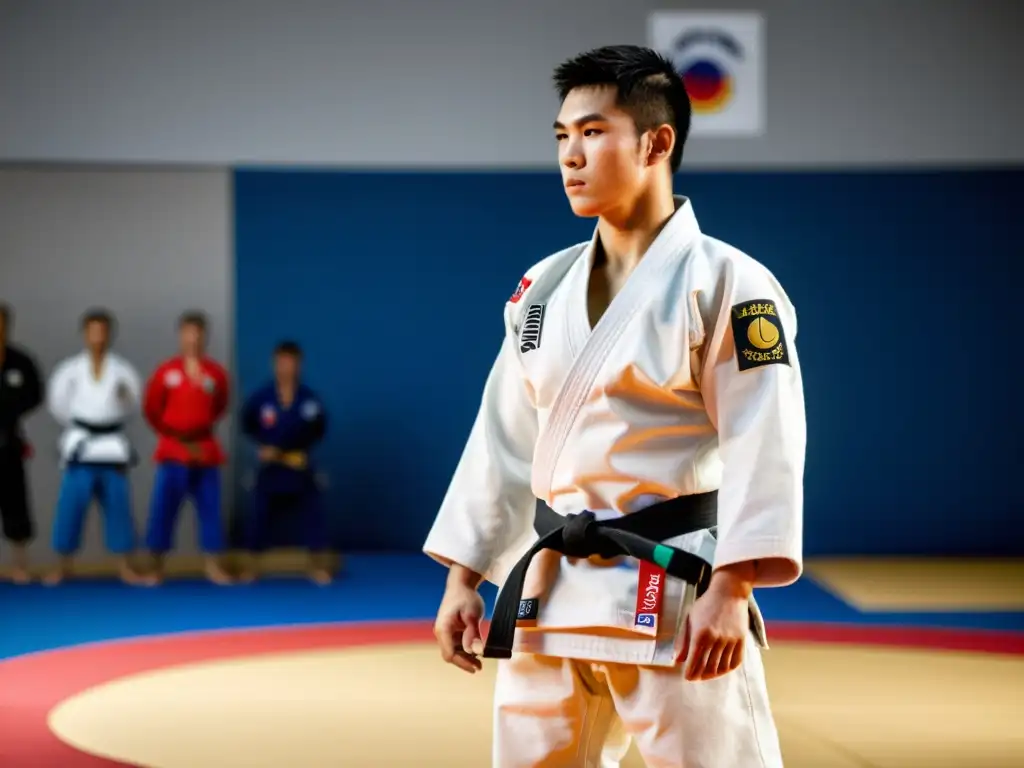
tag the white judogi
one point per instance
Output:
(688, 383)
(75, 393)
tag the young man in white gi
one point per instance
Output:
(92, 395)
(646, 375)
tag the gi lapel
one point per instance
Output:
(654, 268)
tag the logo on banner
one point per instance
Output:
(720, 59)
(708, 77)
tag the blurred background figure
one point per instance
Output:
(185, 398)
(21, 393)
(286, 420)
(92, 395)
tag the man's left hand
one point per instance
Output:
(718, 625)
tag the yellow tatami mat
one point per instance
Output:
(837, 707)
(907, 584)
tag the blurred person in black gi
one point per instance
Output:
(21, 392)
(286, 419)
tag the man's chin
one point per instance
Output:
(585, 209)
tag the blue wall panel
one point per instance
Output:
(905, 286)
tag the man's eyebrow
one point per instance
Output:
(593, 117)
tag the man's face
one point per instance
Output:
(600, 155)
(191, 338)
(97, 335)
(286, 367)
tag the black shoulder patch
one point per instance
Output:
(758, 334)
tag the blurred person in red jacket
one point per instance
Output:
(185, 398)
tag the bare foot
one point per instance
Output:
(133, 578)
(217, 575)
(20, 576)
(321, 576)
(53, 578)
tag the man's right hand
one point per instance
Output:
(457, 627)
(269, 453)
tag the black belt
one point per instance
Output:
(638, 535)
(93, 428)
(96, 429)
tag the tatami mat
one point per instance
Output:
(837, 707)
(907, 584)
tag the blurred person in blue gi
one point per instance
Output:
(93, 395)
(286, 419)
(21, 392)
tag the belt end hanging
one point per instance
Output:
(497, 653)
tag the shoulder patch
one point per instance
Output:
(524, 283)
(758, 333)
(310, 410)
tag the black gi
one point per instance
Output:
(21, 392)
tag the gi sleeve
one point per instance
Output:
(753, 392)
(221, 393)
(30, 393)
(154, 403)
(489, 504)
(59, 391)
(251, 427)
(132, 384)
(312, 425)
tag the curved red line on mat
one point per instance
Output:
(32, 685)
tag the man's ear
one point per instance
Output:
(662, 141)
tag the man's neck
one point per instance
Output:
(626, 234)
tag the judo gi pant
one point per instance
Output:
(173, 484)
(15, 516)
(298, 496)
(552, 712)
(108, 486)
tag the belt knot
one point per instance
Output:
(580, 535)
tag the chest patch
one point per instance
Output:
(268, 416)
(533, 326)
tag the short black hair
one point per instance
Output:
(97, 315)
(291, 348)
(192, 317)
(649, 88)
(6, 314)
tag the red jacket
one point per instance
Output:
(184, 411)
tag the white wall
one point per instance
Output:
(466, 82)
(145, 244)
